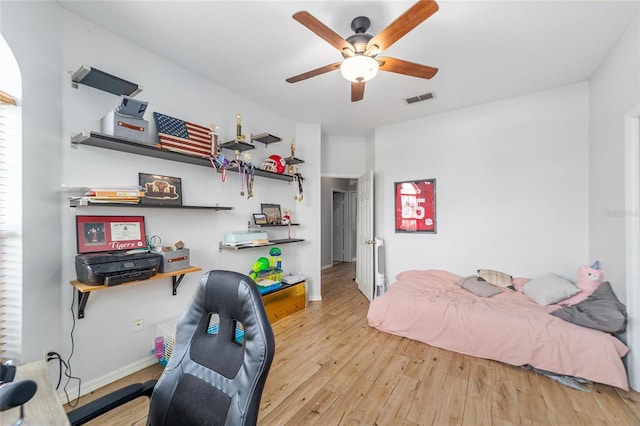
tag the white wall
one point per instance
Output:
(172, 90)
(309, 137)
(614, 90)
(342, 156)
(32, 31)
(511, 186)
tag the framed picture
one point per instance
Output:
(272, 213)
(160, 190)
(110, 233)
(415, 206)
(259, 219)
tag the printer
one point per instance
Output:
(116, 267)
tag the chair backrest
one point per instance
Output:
(221, 357)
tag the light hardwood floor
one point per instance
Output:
(331, 368)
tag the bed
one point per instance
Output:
(429, 306)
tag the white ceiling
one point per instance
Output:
(485, 51)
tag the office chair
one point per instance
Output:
(214, 376)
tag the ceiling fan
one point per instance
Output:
(360, 51)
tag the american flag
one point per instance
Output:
(182, 136)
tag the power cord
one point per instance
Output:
(52, 355)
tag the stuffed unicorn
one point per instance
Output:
(589, 278)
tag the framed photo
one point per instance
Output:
(110, 233)
(259, 219)
(272, 213)
(160, 190)
(415, 206)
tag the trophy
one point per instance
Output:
(239, 136)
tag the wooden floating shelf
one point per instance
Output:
(84, 290)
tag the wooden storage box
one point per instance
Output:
(285, 301)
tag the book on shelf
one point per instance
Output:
(85, 201)
(117, 193)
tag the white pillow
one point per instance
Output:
(549, 289)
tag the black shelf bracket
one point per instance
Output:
(82, 302)
(176, 279)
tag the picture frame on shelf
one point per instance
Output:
(260, 219)
(160, 190)
(415, 206)
(109, 233)
(272, 213)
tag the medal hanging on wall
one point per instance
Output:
(241, 171)
(249, 173)
(297, 186)
(217, 162)
(216, 159)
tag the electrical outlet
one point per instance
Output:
(45, 354)
(137, 325)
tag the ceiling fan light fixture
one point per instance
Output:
(359, 68)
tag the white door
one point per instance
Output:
(365, 241)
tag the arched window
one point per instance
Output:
(10, 204)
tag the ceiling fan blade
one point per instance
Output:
(413, 17)
(400, 66)
(313, 73)
(324, 32)
(357, 91)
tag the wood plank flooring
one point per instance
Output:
(331, 368)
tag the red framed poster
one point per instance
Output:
(107, 233)
(415, 203)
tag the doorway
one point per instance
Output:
(339, 227)
(338, 207)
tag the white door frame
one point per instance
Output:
(346, 212)
(632, 231)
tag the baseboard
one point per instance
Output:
(97, 383)
(326, 266)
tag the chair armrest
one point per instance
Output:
(102, 405)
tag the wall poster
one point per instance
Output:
(415, 204)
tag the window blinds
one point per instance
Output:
(10, 228)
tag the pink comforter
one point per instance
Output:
(429, 307)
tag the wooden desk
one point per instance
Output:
(45, 408)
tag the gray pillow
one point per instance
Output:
(549, 289)
(477, 286)
(601, 311)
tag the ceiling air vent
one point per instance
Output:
(420, 98)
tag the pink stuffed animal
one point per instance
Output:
(589, 278)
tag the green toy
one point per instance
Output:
(262, 264)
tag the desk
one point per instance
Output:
(45, 408)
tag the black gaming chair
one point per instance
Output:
(215, 375)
